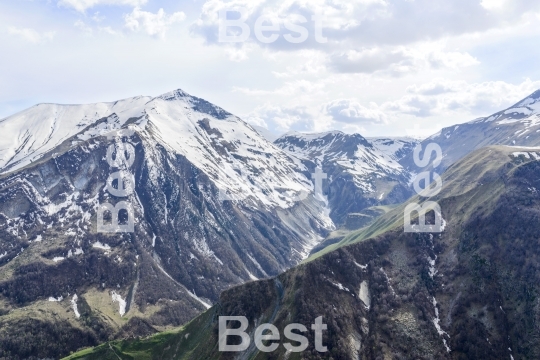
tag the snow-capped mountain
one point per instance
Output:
(228, 150)
(519, 125)
(364, 173)
(215, 204)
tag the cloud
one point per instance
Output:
(443, 97)
(366, 23)
(368, 60)
(31, 35)
(493, 4)
(452, 60)
(290, 88)
(79, 24)
(396, 61)
(153, 24)
(97, 17)
(89, 31)
(351, 112)
(283, 119)
(417, 105)
(339, 15)
(83, 5)
(436, 87)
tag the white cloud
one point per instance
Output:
(239, 53)
(351, 112)
(82, 5)
(368, 60)
(79, 24)
(451, 60)
(440, 86)
(443, 97)
(399, 60)
(153, 24)
(290, 88)
(417, 60)
(31, 35)
(339, 16)
(366, 23)
(493, 4)
(97, 17)
(89, 30)
(283, 119)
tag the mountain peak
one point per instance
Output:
(196, 103)
(174, 95)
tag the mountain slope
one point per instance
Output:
(365, 174)
(519, 125)
(214, 206)
(469, 292)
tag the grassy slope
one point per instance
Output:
(459, 179)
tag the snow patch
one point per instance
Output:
(99, 245)
(206, 305)
(339, 286)
(519, 153)
(251, 276)
(257, 264)
(121, 303)
(363, 294)
(74, 305)
(363, 267)
(436, 322)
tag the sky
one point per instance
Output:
(374, 67)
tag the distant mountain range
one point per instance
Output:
(363, 172)
(519, 125)
(217, 205)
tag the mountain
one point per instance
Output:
(214, 204)
(469, 292)
(519, 125)
(396, 148)
(363, 172)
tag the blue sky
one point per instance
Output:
(389, 67)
